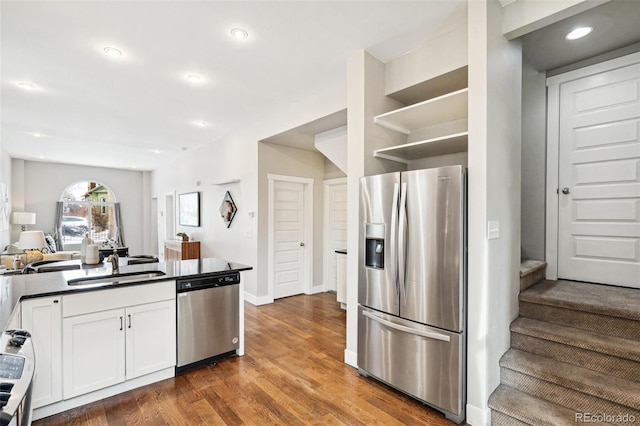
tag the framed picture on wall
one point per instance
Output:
(189, 209)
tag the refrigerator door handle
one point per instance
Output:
(402, 244)
(421, 333)
(394, 228)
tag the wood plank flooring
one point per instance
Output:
(292, 374)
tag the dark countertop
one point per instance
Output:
(341, 251)
(14, 288)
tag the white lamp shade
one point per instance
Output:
(23, 218)
(32, 240)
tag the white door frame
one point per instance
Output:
(553, 149)
(307, 273)
(325, 226)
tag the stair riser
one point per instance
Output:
(619, 327)
(531, 279)
(608, 364)
(570, 398)
(501, 419)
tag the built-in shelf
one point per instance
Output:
(446, 108)
(226, 181)
(443, 145)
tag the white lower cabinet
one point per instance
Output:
(107, 341)
(106, 348)
(42, 317)
(94, 351)
(151, 338)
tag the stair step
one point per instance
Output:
(608, 310)
(571, 399)
(595, 298)
(528, 409)
(531, 272)
(609, 345)
(618, 367)
(614, 389)
(501, 419)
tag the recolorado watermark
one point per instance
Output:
(604, 418)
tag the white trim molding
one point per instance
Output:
(307, 272)
(478, 416)
(326, 238)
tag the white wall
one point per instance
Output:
(494, 195)
(236, 156)
(534, 109)
(41, 184)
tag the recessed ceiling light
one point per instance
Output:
(194, 78)
(26, 86)
(578, 33)
(200, 123)
(156, 151)
(112, 51)
(36, 134)
(239, 33)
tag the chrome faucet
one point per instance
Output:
(115, 262)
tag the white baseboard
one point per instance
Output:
(478, 416)
(257, 301)
(351, 358)
(317, 289)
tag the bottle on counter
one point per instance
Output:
(83, 247)
(17, 263)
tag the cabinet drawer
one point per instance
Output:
(115, 298)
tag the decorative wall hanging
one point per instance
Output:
(227, 209)
(189, 209)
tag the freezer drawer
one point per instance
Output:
(422, 361)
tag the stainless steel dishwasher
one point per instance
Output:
(208, 322)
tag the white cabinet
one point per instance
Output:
(151, 337)
(42, 317)
(434, 127)
(94, 352)
(116, 335)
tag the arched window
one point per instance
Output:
(88, 207)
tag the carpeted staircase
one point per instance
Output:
(574, 357)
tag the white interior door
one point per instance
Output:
(289, 244)
(599, 178)
(335, 228)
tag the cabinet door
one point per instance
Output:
(42, 317)
(93, 351)
(151, 338)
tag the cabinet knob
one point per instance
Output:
(566, 190)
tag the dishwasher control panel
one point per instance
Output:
(205, 282)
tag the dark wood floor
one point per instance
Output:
(292, 374)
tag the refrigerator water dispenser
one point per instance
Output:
(374, 245)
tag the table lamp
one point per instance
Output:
(23, 219)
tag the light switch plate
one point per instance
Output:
(493, 229)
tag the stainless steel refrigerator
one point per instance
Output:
(412, 285)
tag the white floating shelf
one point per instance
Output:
(443, 145)
(450, 107)
(225, 182)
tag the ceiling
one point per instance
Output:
(137, 111)
(615, 24)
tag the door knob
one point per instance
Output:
(566, 190)
(301, 244)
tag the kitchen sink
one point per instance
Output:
(116, 278)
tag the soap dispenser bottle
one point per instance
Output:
(83, 247)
